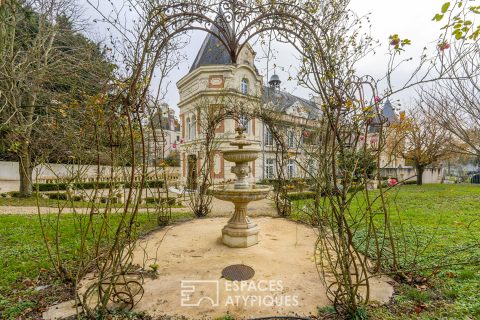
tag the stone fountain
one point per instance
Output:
(241, 231)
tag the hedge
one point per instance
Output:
(292, 196)
(170, 201)
(297, 183)
(93, 185)
(64, 196)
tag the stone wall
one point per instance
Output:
(430, 175)
(55, 172)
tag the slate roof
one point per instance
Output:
(389, 113)
(283, 100)
(387, 117)
(213, 51)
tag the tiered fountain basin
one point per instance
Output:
(229, 193)
(240, 155)
(240, 231)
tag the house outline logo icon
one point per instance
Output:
(189, 287)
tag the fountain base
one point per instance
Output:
(240, 238)
(240, 231)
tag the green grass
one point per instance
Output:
(23, 254)
(441, 227)
(442, 220)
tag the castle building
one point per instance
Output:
(388, 120)
(212, 80)
(163, 135)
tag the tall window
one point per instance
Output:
(188, 128)
(291, 139)
(291, 168)
(268, 137)
(193, 128)
(244, 86)
(269, 166)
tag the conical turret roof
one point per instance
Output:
(213, 51)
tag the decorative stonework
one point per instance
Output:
(216, 81)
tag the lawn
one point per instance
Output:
(441, 223)
(25, 265)
(441, 227)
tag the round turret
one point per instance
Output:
(274, 81)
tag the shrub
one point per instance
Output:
(94, 185)
(77, 198)
(64, 196)
(292, 196)
(294, 183)
(111, 199)
(169, 201)
(356, 188)
(58, 196)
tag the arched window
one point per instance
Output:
(193, 128)
(188, 128)
(244, 86)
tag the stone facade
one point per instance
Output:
(213, 79)
(163, 136)
(208, 85)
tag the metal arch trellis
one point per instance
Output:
(245, 18)
(237, 22)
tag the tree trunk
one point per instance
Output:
(420, 170)
(25, 169)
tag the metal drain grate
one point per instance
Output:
(238, 272)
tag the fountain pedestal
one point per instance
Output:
(240, 231)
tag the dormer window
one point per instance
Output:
(244, 86)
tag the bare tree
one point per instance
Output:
(455, 102)
(423, 141)
(34, 56)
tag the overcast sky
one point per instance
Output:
(410, 19)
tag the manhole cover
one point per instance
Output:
(238, 272)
